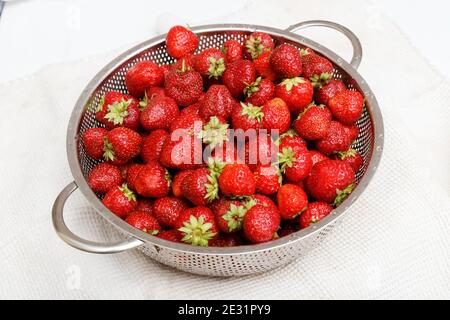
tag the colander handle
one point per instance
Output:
(75, 241)
(357, 48)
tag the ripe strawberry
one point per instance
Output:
(317, 69)
(328, 91)
(154, 92)
(120, 201)
(352, 157)
(261, 224)
(181, 41)
(229, 215)
(178, 181)
(210, 63)
(296, 92)
(286, 61)
(267, 179)
(132, 173)
(104, 177)
(165, 69)
(94, 141)
(331, 181)
(315, 212)
(143, 221)
(247, 116)
(215, 132)
(182, 153)
(317, 156)
(184, 85)
(238, 76)
(197, 226)
(153, 181)
(201, 186)
(257, 43)
(292, 201)
(116, 110)
(233, 51)
(218, 101)
(193, 109)
(337, 139)
(276, 115)
(313, 123)
(291, 139)
(260, 151)
(187, 62)
(145, 205)
(224, 241)
(295, 161)
(260, 200)
(259, 92)
(225, 153)
(152, 145)
(167, 210)
(159, 113)
(347, 106)
(143, 75)
(237, 180)
(122, 144)
(263, 66)
(352, 131)
(170, 235)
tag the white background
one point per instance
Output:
(35, 33)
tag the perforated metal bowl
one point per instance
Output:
(214, 261)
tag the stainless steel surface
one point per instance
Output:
(2, 5)
(222, 261)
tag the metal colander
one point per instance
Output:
(214, 261)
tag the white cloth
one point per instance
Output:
(394, 242)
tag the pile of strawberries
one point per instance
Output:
(153, 141)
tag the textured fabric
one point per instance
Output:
(394, 242)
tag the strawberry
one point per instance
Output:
(152, 145)
(233, 51)
(116, 110)
(182, 153)
(337, 139)
(347, 106)
(259, 199)
(328, 91)
(122, 144)
(313, 123)
(145, 205)
(291, 139)
(143, 75)
(317, 69)
(154, 92)
(159, 113)
(218, 101)
(247, 116)
(165, 69)
(223, 241)
(170, 235)
(181, 41)
(238, 76)
(292, 201)
(257, 43)
(178, 182)
(210, 63)
(215, 132)
(259, 92)
(184, 85)
(191, 123)
(296, 92)
(276, 115)
(193, 109)
(315, 212)
(352, 131)
(229, 215)
(94, 141)
(143, 221)
(352, 157)
(261, 151)
(295, 160)
(197, 226)
(225, 153)
(267, 179)
(120, 200)
(132, 173)
(237, 180)
(317, 156)
(286, 61)
(263, 67)
(261, 224)
(104, 177)
(331, 181)
(167, 210)
(187, 62)
(153, 181)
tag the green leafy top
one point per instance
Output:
(254, 47)
(118, 111)
(216, 67)
(108, 151)
(197, 232)
(286, 158)
(214, 132)
(341, 195)
(215, 167)
(252, 88)
(290, 83)
(235, 216)
(127, 192)
(318, 81)
(346, 154)
(100, 104)
(252, 112)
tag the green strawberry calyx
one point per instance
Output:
(254, 47)
(234, 217)
(144, 102)
(214, 133)
(346, 154)
(318, 81)
(252, 88)
(168, 178)
(152, 232)
(286, 158)
(252, 112)
(215, 167)
(184, 68)
(341, 195)
(290, 133)
(216, 67)
(108, 151)
(118, 111)
(197, 232)
(290, 83)
(100, 104)
(304, 52)
(127, 192)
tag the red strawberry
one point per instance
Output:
(267, 179)
(152, 145)
(165, 69)
(155, 92)
(122, 144)
(184, 152)
(352, 131)
(120, 201)
(167, 210)
(186, 62)
(116, 110)
(217, 102)
(295, 160)
(259, 92)
(347, 106)
(317, 156)
(238, 76)
(132, 173)
(317, 69)
(229, 215)
(178, 181)
(315, 212)
(292, 201)
(296, 92)
(276, 116)
(197, 226)
(313, 123)
(225, 153)
(233, 51)
(259, 199)
(328, 91)
(193, 109)
(184, 85)
(352, 157)
(261, 224)
(263, 66)
(143, 75)
(181, 41)
(237, 180)
(104, 177)
(94, 141)
(337, 139)
(215, 132)
(187, 123)
(210, 63)
(286, 61)
(145, 205)
(257, 43)
(170, 235)
(159, 113)
(153, 181)
(260, 151)
(331, 181)
(143, 221)
(223, 241)
(247, 116)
